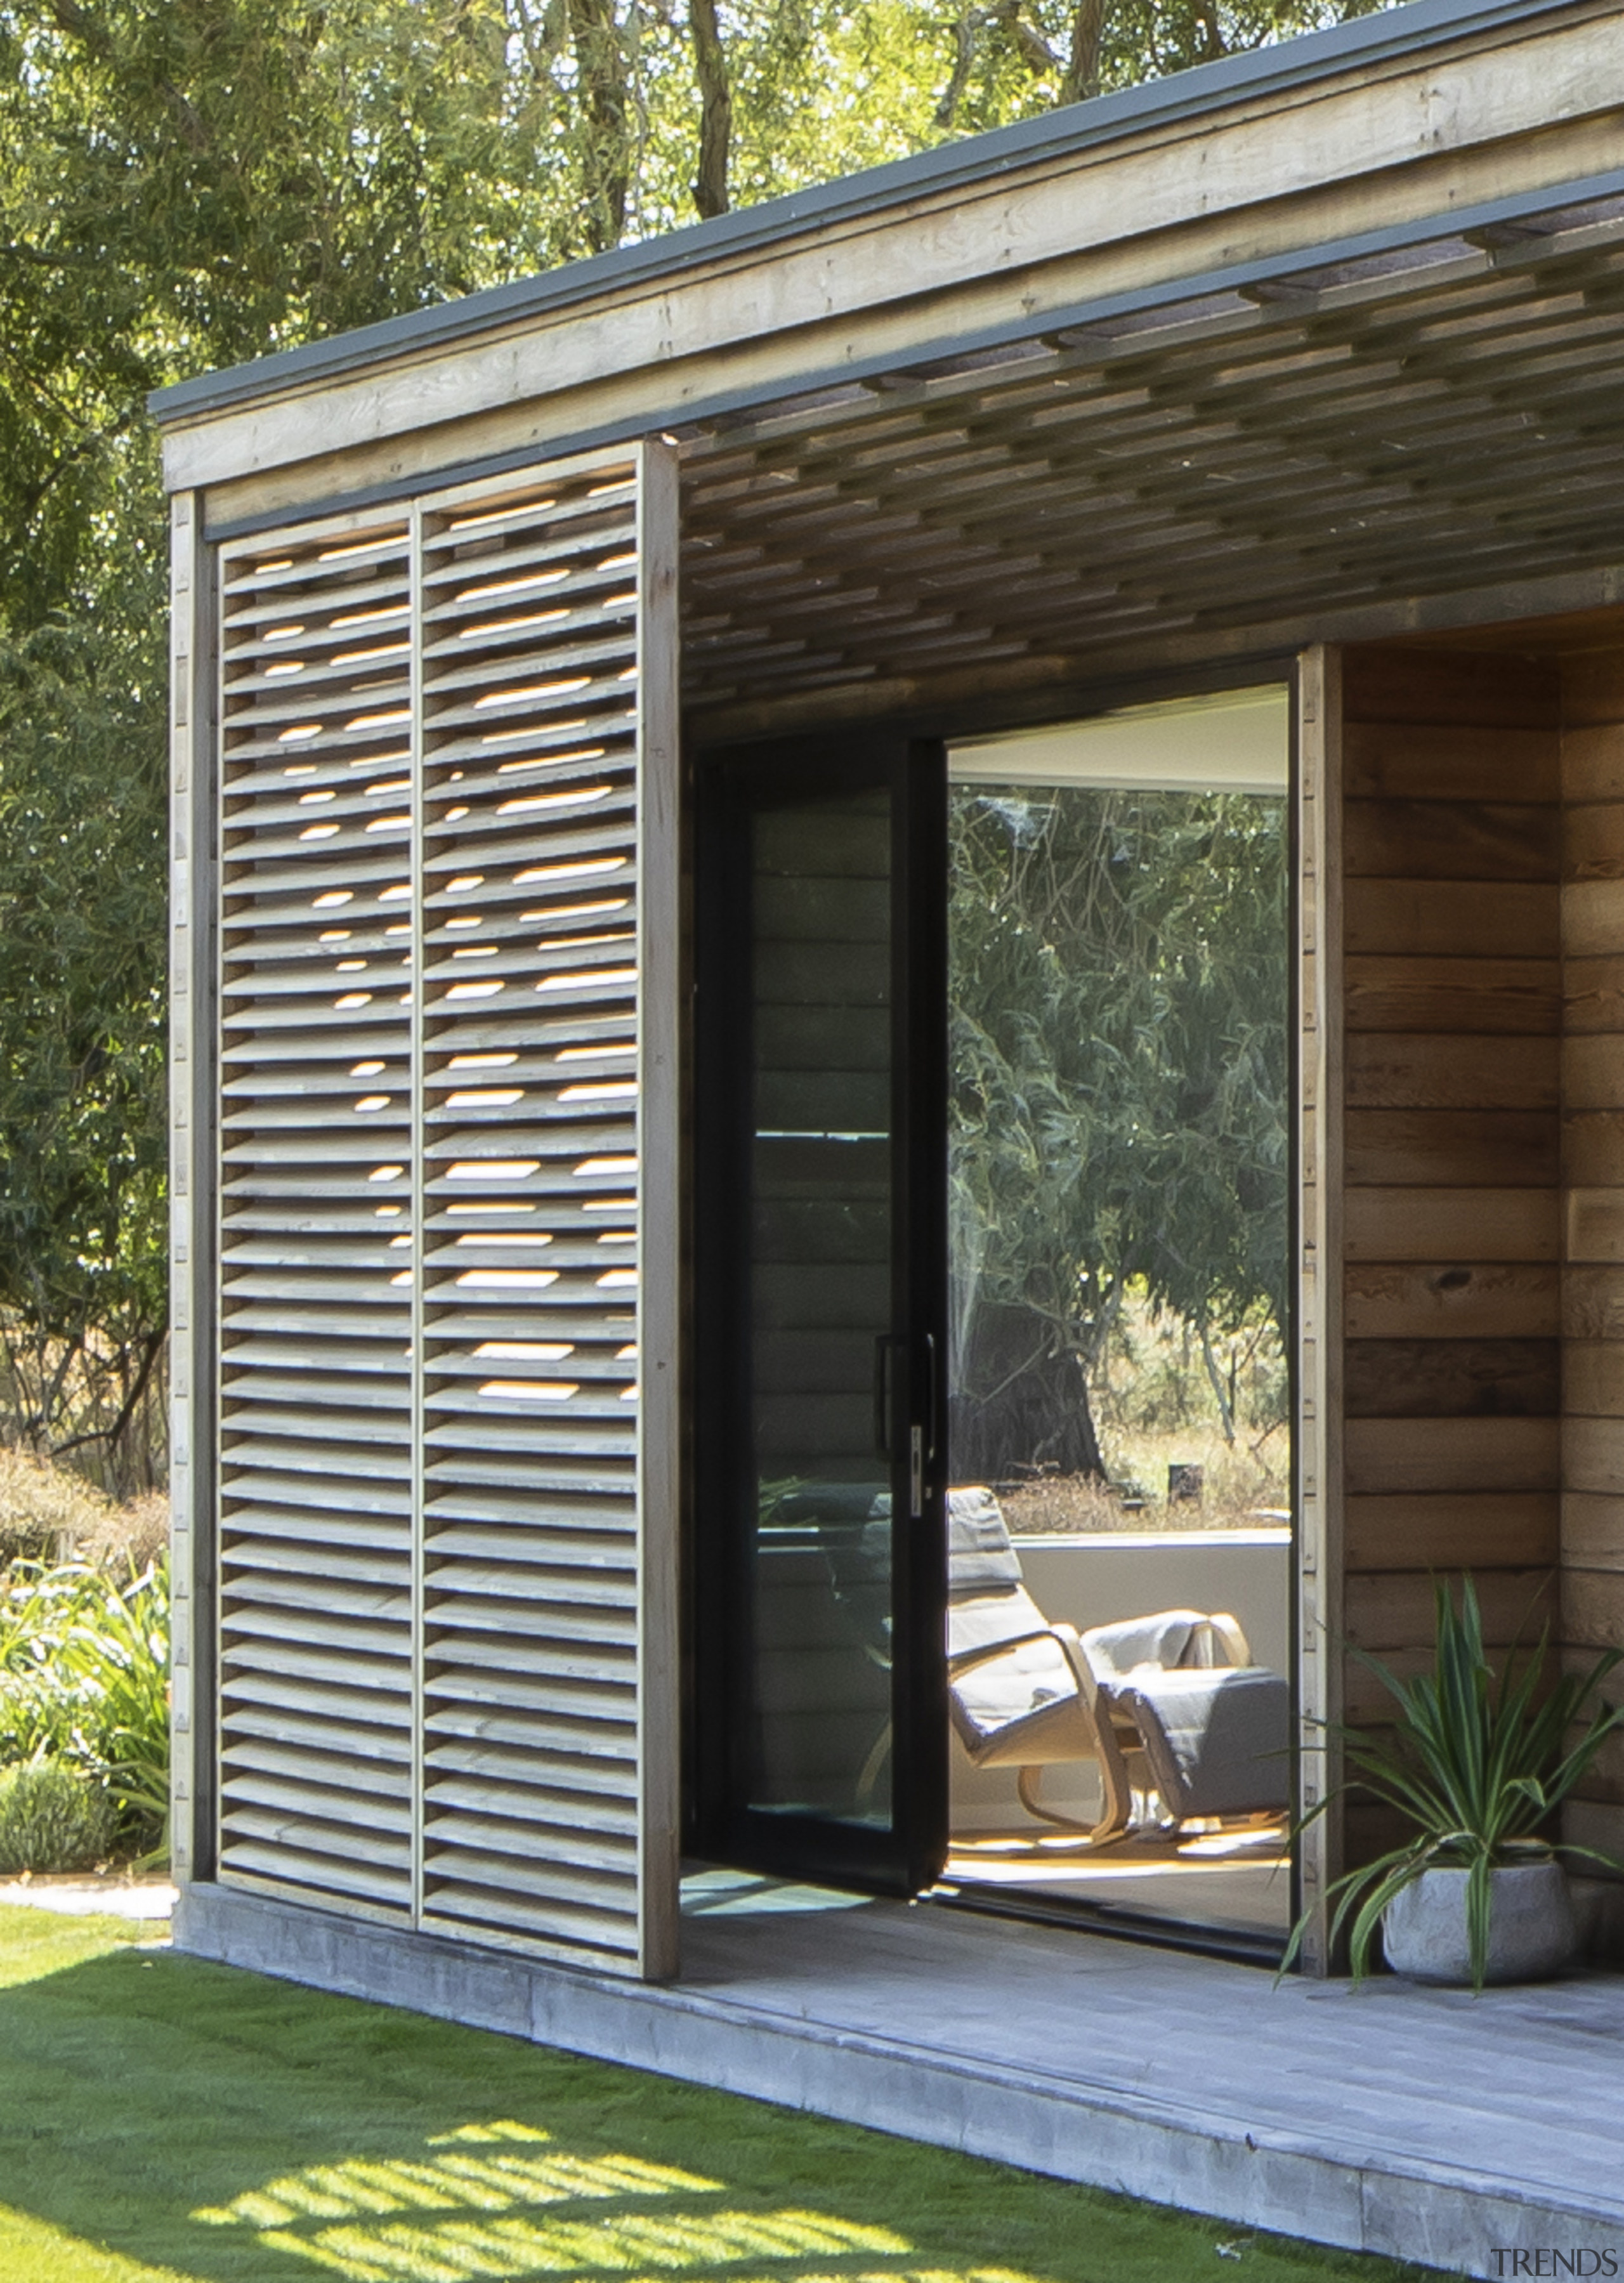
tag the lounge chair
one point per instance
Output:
(1170, 1703)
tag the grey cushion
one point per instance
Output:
(1112, 1651)
(1022, 1708)
(987, 1604)
(1218, 1742)
(979, 1554)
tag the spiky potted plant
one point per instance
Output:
(1477, 1765)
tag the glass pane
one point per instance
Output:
(1119, 1161)
(820, 1308)
(1119, 1155)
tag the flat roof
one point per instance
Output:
(1403, 31)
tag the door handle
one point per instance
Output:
(922, 1436)
(885, 1392)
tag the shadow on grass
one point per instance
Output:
(207, 2121)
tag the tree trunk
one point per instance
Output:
(1082, 72)
(1021, 1402)
(601, 63)
(710, 187)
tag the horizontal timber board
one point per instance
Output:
(1593, 918)
(1403, 1223)
(1593, 1379)
(1448, 1379)
(1592, 1530)
(1452, 1454)
(1595, 1231)
(1490, 690)
(1592, 1303)
(1505, 997)
(1464, 1149)
(1482, 919)
(1389, 1069)
(1593, 1608)
(1592, 1148)
(1593, 841)
(1452, 840)
(1451, 1530)
(1455, 1300)
(1595, 1824)
(1395, 1609)
(1593, 688)
(1448, 760)
(1593, 1454)
(1593, 1072)
(1593, 760)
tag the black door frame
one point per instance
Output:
(722, 1828)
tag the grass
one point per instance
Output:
(167, 2120)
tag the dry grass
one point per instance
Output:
(129, 1539)
(1154, 1410)
(1244, 1488)
(47, 1514)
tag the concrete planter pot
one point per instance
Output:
(1531, 1933)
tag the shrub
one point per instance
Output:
(51, 1819)
(84, 1679)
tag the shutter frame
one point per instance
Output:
(448, 1602)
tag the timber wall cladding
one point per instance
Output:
(1593, 1152)
(429, 1551)
(1452, 1282)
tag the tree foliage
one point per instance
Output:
(1119, 996)
(187, 184)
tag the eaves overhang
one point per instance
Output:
(1269, 79)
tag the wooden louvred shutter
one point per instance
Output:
(316, 1527)
(446, 1542)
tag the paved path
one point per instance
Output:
(113, 1897)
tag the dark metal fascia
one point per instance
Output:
(1327, 253)
(1408, 28)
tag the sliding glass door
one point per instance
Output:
(819, 1576)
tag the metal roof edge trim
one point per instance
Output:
(1410, 25)
(1453, 222)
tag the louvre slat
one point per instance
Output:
(611, 1930)
(430, 988)
(598, 1796)
(267, 1556)
(539, 1733)
(258, 1745)
(463, 1828)
(469, 1807)
(305, 1718)
(332, 1878)
(258, 1788)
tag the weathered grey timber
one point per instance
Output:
(1424, 2124)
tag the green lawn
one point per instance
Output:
(164, 2119)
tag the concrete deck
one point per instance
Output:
(1425, 2124)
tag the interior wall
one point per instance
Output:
(1593, 1173)
(1452, 1282)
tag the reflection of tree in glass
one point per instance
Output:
(1118, 1112)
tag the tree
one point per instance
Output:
(1119, 1112)
(187, 184)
